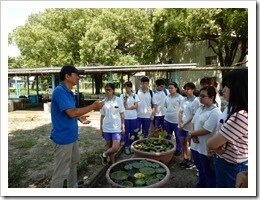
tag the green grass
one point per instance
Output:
(86, 159)
(27, 144)
(18, 169)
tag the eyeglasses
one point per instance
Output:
(203, 96)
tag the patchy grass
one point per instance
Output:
(87, 159)
(19, 168)
(30, 153)
(27, 144)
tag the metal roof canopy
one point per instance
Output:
(104, 69)
(117, 69)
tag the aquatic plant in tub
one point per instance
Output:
(138, 172)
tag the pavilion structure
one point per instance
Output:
(128, 70)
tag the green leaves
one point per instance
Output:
(129, 36)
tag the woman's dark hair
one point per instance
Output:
(209, 81)
(205, 81)
(211, 92)
(189, 85)
(176, 86)
(237, 82)
(213, 81)
(111, 85)
(128, 84)
(159, 82)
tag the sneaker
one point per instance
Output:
(103, 159)
(183, 163)
(189, 165)
(127, 151)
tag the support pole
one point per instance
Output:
(110, 79)
(93, 84)
(53, 81)
(17, 87)
(37, 89)
(28, 85)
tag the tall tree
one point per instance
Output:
(117, 36)
(225, 29)
(84, 36)
(129, 36)
(165, 34)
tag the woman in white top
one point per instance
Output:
(160, 94)
(130, 101)
(207, 81)
(111, 123)
(171, 119)
(204, 123)
(188, 108)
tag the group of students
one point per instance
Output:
(218, 141)
(215, 142)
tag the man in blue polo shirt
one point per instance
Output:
(65, 116)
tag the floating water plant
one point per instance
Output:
(137, 172)
(153, 145)
(119, 175)
(154, 148)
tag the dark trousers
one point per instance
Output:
(159, 122)
(131, 129)
(205, 165)
(144, 125)
(170, 127)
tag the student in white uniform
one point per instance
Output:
(111, 123)
(204, 123)
(146, 107)
(207, 81)
(130, 101)
(188, 108)
(171, 120)
(160, 94)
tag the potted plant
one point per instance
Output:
(154, 147)
(138, 172)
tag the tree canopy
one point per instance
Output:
(128, 36)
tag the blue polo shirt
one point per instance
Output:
(64, 128)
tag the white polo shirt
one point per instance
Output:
(206, 118)
(222, 118)
(111, 110)
(132, 98)
(172, 105)
(188, 109)
(160, 97)
(218, 100)
(144, 109)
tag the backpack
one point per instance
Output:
(151, 93)
(164, 90)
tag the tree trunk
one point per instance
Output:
(98, 83)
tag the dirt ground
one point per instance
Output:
(30, 152)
